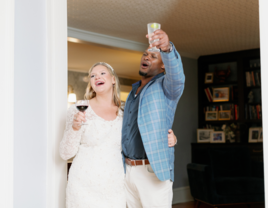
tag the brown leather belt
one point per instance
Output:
(136, 162)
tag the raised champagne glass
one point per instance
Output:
(151, 28)
(82, 106)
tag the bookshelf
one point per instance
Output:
(233, 80)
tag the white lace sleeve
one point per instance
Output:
(71, 139)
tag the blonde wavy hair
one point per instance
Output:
(90, 93)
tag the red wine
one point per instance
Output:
(82, 108)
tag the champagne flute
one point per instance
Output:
(82, 106)
(151, 28)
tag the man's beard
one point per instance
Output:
(142, 74)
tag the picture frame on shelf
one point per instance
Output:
(225, 115)
(217, 137)
(254, 134)
(204, 135)
(208, 78)
(221, 94)
(211, 115)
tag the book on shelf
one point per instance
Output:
(253, 112)
(253, 78)
(235, 112)
(257, 75)
(248, 79)
(208, 94)
(232, 111)
(234, 92)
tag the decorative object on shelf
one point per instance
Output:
(204, 135)
(218, 137)
(222, 75)
(221, 94)
(250, 97)
(211, 115)
(209, 78)
(225, 115)
(229, 132)
(255, 63)
(254, 134)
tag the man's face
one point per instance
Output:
(151, 64)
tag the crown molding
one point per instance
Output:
(106, 40)
(111, 41)
(78, 70)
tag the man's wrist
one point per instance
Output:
(169, 49)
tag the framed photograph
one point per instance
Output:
(204, 135)
(221, 94)
(254, 134)
(225, 115)
(209, 78)
(217, 137)
(260, 139)
(211, 115)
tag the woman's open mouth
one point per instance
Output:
(99, 83)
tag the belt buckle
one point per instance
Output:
(143, 162)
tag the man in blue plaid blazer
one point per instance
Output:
(148, 115)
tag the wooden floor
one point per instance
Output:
(191, 205)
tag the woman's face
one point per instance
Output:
(101, 80)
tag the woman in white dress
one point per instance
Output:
(96, 177)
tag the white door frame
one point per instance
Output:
(7, 11)
(56, 100)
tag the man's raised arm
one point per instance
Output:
(175, 78)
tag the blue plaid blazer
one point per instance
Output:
(158, 102)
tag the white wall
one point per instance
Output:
(30, 106)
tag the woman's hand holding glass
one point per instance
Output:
(78, 119)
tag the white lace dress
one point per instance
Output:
(96, 177)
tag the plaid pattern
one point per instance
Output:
(158, 102)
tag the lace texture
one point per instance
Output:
(96, 177)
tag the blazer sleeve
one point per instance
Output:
(174, 80)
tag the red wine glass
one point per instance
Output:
(82, 106)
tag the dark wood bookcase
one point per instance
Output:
(239, 63)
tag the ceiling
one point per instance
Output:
(196, 27)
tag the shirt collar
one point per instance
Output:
(154, 78)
